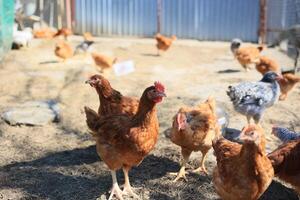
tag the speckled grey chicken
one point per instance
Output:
(252, 98)
(83, 47)
(285, 134)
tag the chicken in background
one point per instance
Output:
(103, 61)
(63, 50)
(123, 141)
(245, 55)
(265, 64)
(87, 36)
(287, 83)
(83, 47)
(285, 134)
(243, 171)
(253, 98)
(286, 163)
(65, 32)
(292, 35)
(21, 38)
(193, 129)
(44, 33)
(163, 42)
(111, 100)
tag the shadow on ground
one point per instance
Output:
(227, 71)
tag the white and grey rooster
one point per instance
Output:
(252, 98)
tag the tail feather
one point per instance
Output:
(92, 118)
(260, 48)
(284, 134)
(212, 103)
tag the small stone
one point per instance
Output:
(33, 113)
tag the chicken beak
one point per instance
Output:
(279, 77)
(162, 94)
(88, 81)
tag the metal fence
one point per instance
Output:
(211, 19)
(197, 19)
(281, 15)
(116, 17)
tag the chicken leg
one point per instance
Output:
(127, 187)
(202, 163)
(181, 174)
(249, 119)
(115, 190)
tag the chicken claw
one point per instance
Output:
(181, 174)
(127, 190)
(127, 187)
(115, 190)
(200, 169)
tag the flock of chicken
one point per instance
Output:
(64, 51)
(126, 129)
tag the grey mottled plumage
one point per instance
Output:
(223, 119)
(235, 44)
(84, 46)
(252, 98)
(285, 134)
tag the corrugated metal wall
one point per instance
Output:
(197, 19)
(116, 17)
(211, 19)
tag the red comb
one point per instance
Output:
(159, 87)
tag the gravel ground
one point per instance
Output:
(59, 160)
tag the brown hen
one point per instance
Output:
(265, 64)
(46, 33)
(103, 61)
(163, 42)
(123, 141)
(245, 55)
(64, 32)
(193, 129)
(111, 100)
(63, 50)
(286, 162)
(288, 82)
(243, 171)
(87, 36)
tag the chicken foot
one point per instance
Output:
(202, 165)
(127, 187)
(182, 173)
(115, 190)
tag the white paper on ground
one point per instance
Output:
(123, 68)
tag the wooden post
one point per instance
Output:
(158, 15)
(60, 10)
(73, 14)
(41, 5)
(262, 22)
(68, 14)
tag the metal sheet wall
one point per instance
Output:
(211, 19)
(281, 15)
(197, 19)
(116, 17)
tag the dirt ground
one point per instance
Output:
(59, 160)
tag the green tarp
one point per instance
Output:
(6, 25)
